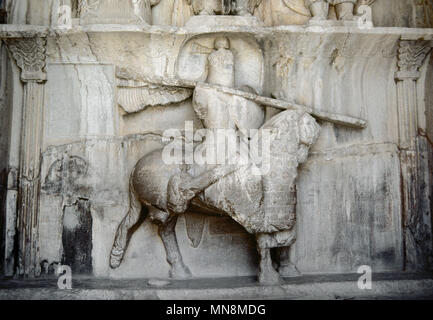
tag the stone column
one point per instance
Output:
(29, 55)
(411, 56)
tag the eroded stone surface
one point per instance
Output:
(128, 70)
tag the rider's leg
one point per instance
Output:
(182, 188)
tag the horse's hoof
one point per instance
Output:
(270, 279)
(115, 260)
(289, 270)
(180, 273)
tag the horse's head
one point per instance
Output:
(291, 134)
(308, 134)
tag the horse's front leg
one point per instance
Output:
(287, 267)
(178, 270)
(267, 273)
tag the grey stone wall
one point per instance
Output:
(350, 210)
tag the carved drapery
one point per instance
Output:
(29, 55)
(411, 56)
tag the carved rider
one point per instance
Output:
(221, 64)
(217, 111)
(320, 8)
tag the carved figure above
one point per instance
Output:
(283, 12)
(320, 9)
(246, 7)
(209, 7)
(115, 11)
(224, 7)
(300, 12)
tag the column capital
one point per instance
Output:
(29, 55)
(411, 56)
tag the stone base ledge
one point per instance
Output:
(330, 287)
(29, 31)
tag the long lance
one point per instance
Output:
(338, 119)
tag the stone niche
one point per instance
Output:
(103, 92)
(249, 63)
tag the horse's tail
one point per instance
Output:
(134, 218)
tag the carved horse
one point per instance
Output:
(265, 205)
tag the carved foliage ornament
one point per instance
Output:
(136, 93)
(411, 56)
(135, 96)
(29, 55)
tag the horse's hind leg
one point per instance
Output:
(129, 224)
(178, 270)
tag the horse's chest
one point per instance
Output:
(242, 196)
